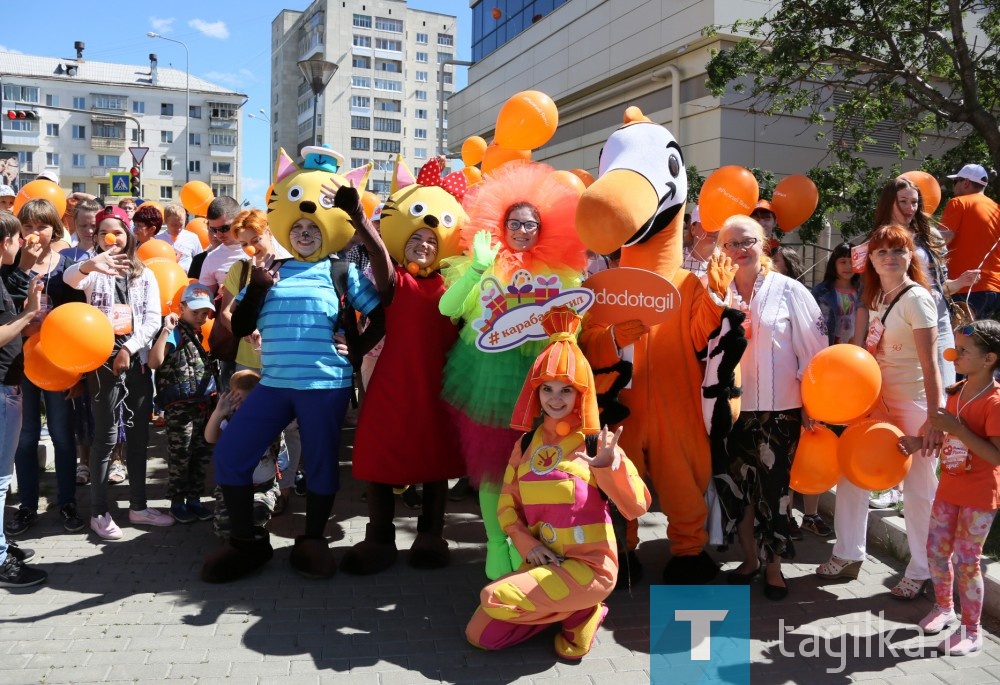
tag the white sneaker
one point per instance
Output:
(105, 527)
(885, 500)
(149, 517)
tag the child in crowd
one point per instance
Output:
(554, 506)
(186, 381)
(968, 493)
(266, 475)
(839, 298)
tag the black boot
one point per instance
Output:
(430, 549)
(377, 551)
(699, 569)
(629, 566)
(248, 548)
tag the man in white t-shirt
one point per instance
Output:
(696, 257)
(185, 243)
(220, 217)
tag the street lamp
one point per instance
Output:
(456, 62)
(317, 73)
(187, 102)
(270, 141)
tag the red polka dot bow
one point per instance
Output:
(454, 183)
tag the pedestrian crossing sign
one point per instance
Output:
(119, 183)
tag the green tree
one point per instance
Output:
(923, 65)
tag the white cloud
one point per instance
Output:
(161, 25)
(233, 79)
(212, 29)
(4, 48)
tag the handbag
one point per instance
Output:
(222, 344)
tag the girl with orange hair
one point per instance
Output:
(554, 505)
(520, 219)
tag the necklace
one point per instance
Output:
(886, 293)
(958, 401)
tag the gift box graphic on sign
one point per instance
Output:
(520, 290)
(546, 288)
(494, 302)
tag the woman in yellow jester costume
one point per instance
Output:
(554, 506)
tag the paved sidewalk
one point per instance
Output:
(134, 611)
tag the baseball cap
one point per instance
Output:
(113, 212)
(377, 212)
(974, 173)
(696, 215)
(7, 191)
(49, 176)
(197, 296)
(764, 205)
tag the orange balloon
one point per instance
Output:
(472, 175)
(496, 12)
(151, 203)
(795, 199)
(815, 468)
(869, 456)
(41, 189)
(77, 337)
(369, 201)
(570, 180)
(583, 175)
(930, 189)
(496, 156)
(472, 150)
(206, 331)
(169, 277)
(42, 372)
(526, 121)
(728, 191)
(155, 249)
(196, 196)
(199, 226)
(840, 384)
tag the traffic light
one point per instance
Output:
(135, 186)
(28, 114)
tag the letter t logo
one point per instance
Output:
(701, 629)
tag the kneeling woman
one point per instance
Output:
(554, 506)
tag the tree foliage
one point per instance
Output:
(923, 65)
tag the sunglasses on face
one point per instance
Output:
(220, 229)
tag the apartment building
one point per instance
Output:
(384, 97)
(81, 118)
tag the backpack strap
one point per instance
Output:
(526, 440)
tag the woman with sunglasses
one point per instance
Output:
(902, 335)
(784, 329)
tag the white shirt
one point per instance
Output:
(186, 245)
(787, 329)
(902, 375)
(215, 268)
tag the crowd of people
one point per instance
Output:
(417, 275)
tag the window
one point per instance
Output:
(388, 44)
(52, 100)
(422, 57)
(361, 101)
(362, 21)
(51, 159)
(109, 102)
(362, 41)
(103, 189)
(419, 153)
(222, 139)
(25, 125)
(108, 160)
(79, 103)
(361, 82)
(166, 109)
(391, 66)
(359, 62)
(138, 107)
(194, 166)
(388, 105)
(420, 133)
(26, 159)
(361, 123)
(360, 143)
(383, 145)
(445, 57)
(167, 193)
(388, 84)
(166, 136)
(109, 129)
(393, 25)
(52, 130)
(222, 110)
(79, 161)
(135, 136)
(420, 95)
(420, 113)
(20, 93)
(79, 132)
(388, 125)
(383, 165)
(446, 39)
(194, 111)
(194, 139)
(422, 38)
(225, 168)
(358, 162)
(422, 76)
(166, 164)
(79, 187)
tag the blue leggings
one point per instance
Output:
(259, 421)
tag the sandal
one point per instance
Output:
(839, 568)
(82, 474)
(117, 474)
(908, 589)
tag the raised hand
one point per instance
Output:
(721, 272)
(345, 197)
(170, 321)
(628, 332)
(111, 262)
(606, 455)
(483, 253)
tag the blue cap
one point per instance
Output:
(197, 296)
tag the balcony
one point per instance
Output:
(112, 144)
(103, 171)
(361, 111)
(222, 122)
(29, 138)
(220, 179)
(360, 51)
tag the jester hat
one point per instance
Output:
(561, 360)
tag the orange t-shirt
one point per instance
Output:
(975, 220)
(978, 488)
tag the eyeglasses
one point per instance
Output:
(970, 330)
(528, 226)
(895, 252)
(734, 245)
(220, 229)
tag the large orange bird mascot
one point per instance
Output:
(637, 204)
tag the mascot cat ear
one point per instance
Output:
(402, 176)
(283, 166)
(359, 177)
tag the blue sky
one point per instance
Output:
(229, 42)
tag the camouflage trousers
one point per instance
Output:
(265, 498)
(188, 454)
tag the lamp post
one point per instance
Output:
(456, 62)
(187, 102)
(317, 73)
(270, 143)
